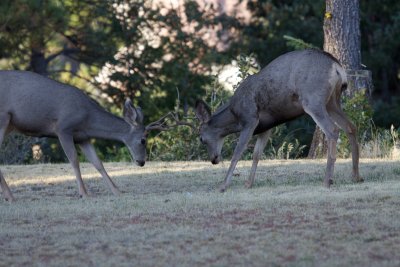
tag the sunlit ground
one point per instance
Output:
(171, 214)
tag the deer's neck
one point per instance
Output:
(225, 122)
(105, 125)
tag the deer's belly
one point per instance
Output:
(35, 133)
(33, 127)
(271, 118)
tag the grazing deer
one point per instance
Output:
(308, 81)
(38, 106)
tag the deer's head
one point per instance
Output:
(136, 141)
(209, 134)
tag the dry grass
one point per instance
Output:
(172, 215)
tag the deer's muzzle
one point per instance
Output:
(215, 160)
(140, 163)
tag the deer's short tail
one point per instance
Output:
(344, 86)
(342, 76)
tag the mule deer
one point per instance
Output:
(308, 81)
(38, 106)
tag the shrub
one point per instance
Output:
(360, 112)
(16, 149)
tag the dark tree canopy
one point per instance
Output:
(150, 51)
(41, 35)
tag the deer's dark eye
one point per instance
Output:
(143, 141)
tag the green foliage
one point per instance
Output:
(297, 43)
(35, 33)
(359, 110)
(180, 143)
(25, 23)
(248, 65)
(160, 55)
(283, 144)
(16, 149)
(20, 149)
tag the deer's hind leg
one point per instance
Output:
(320, 115)
(91, 155)
(261, 142)
(4, 121)
(344, 123)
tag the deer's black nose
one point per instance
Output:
(140, 163)
(215, 160)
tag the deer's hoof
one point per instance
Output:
(222, 188)
(328, 183)
(358, 179)
(9, 199)
(85, 195)
(116, 192)
(248, 184)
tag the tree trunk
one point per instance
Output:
(342, 39)
(37, 41)
(342, 32)
(38, 62)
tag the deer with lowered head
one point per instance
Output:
(308, 81)
(37, 106)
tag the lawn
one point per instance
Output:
(171, 214)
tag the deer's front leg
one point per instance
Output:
(68, 146)
(91, 155)
(244, 139)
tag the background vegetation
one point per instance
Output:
(149, 51)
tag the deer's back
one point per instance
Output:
(37, 104)
(278, 92)
(299, 72)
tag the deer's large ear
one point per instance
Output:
(139, 118)
(203, 111)
(132, 115)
